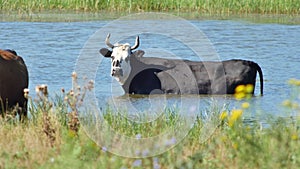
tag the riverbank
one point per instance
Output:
(63, 16)
(280, 11)
(47, 141)
(224, 7)
(54, 138)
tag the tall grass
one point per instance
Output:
(49, 140)
(200, 6)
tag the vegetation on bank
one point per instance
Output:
(224, 7)
(54, 138)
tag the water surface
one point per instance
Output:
(50, 50)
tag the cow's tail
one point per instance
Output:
(261, 78)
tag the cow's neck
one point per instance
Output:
(135, 66)
(126, 68)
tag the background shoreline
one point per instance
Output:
(53, 16)
(290, 7)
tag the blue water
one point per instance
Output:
(51, 50)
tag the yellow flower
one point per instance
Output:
(240, 95)
(235, 115)
(240, 89)
(223, 115)
(287, 103)
(294, 82)
(235, 145)
(291, 81)
(294, 137)
(71, 133)
(243, 91)
(245, 105)
(249, 88)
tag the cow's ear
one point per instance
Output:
(105, 52)
(12, 51)
(138, 53)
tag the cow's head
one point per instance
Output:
(119, 54)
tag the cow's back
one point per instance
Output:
(210, 76)
(215, 77)
(195, 77)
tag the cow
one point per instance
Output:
(151, 75)
(13, 81)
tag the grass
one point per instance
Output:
(54, 138)
(224, 7)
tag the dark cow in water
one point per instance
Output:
(13, 81)
(149, 75)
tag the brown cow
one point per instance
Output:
(13, 81)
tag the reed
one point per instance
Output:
(224, 7)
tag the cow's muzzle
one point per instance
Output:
(117, 72)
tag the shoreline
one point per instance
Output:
(224, 7)
(55, 16)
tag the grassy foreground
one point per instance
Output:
(53, 138)
(200, 6)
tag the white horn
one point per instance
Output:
(107, 41)
(137, 43)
